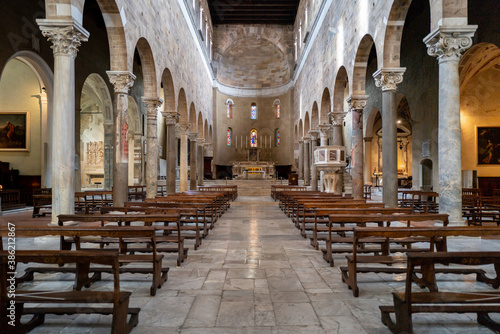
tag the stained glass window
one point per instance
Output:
(229, 110)
(277, 137)
(253, 112)
(253, 138)
(278, 111)
(229, 133)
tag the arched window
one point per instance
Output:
(253, 138)
(277, 136)
(229, 108)
(229, 135)
(253, 111)
(277, 108)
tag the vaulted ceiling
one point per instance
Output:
(281, 12)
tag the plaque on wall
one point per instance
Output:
(426, 149)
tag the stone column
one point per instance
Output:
(368, 160)
(388, 79)
(301, 159)
(152, 105)
(200, 161)
(314, 171)
(307, 165)
(66, 36)
(183, 173)
(193, 136)
(447, 43)
(122, 81)
(337, 124)
(356, 104)
(171, 149)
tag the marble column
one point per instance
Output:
(314, 171)
(447, 43)
(356, 104)
(193, 136)
(301, 159)
(171, 149)
(368, 160)
(388, 79)
(307, 164)
(122, 81)
(183, 172)
(152, 154)
(66, 36)
(200, 161)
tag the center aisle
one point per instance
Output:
(254, 273)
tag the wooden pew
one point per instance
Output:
(336, 225)
(187, 217)
(359, 209)
(437, 238)
(277, 189)
(408, 302)
(83, 259)
(231, 189)
(214, 201)
(121, 235)
(147, 220)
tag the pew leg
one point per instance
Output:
(119, 325)
(403, 323)
(485, 320)
(494, 282)
(81, 276)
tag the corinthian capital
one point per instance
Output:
(66, 35)
(152, 104)
(171, 118)
(337, 117)
(324, 129)
(183, 128)
(447, 43)
(389, 78)
(193, 136)
(121, 80)
(357, 102)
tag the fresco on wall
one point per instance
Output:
(488, 145)
(14, 131)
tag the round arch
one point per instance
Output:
(301, 130)
(358, 83)
(168, 91)
(314, 116)
(200, 125)
(340, 88)
(307, 123)
(192, 116)
(182, 107)
(326, 106)
(148, 68)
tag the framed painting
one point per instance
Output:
(14, 131)
(488, 145)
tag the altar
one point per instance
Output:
(253, 168)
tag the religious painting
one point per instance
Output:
(488, 145)
(14, 131)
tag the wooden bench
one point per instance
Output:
(277, 189)
(188, 219)
(122, 235)
(82, 259)
(147, 220)
(436, 237)
(362, 209)
(231, 189)
(214, 201)
(408, 302)
(336, 225)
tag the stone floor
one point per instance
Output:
(254, 273)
